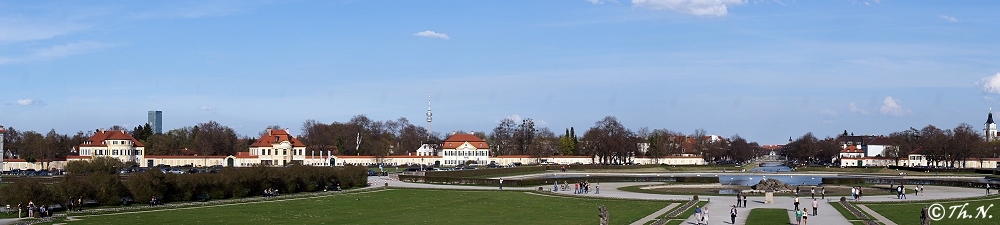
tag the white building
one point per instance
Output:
(425, 150)
(461, 148)
(990, 128)
(116, 144)
(278, 148)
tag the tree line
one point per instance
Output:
(608, 139)
(944, 147)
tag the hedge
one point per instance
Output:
(112, 189)
(548, 181)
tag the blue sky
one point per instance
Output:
(765, 70)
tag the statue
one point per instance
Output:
(604, 214)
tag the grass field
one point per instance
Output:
(762, 216)
(400, 206)
(909, 213)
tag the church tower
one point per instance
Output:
(990, 128)
(2, 153)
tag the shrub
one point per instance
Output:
(25, 190)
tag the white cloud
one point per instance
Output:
(891, 106)
(601, 2)
(853, 107)
(948, 18)
(30, 102)
(694, 7)
(990, 84)
(516, 118)
(20, 30)
(207, 108)
(432, 34)
(55, 52)
(828, 112)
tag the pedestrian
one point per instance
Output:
(732, 215)
(796, 203)
(860, 193)
(815, 207)
(79, 204)
(739, 200)
(31, 209)
(987, 189)
(805, 217)
(555, 186)
(697, 215)
(19, 207)
(597, 189)
(501, 183)
(576, 188)
(902, 191)
(899, 192)
(796, 191)
(704, 215)
(812, 192)
(822, 192)
(854, 193)
(744, 201)
(798, 217)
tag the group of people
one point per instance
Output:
(701, 215)
(270, 192)
(741, 200)
(856, 193)
(582, 187)
(900, 192)
(72, 205)
(154, 201)
(33, 211)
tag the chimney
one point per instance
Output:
(453, 133)
(268, 131)
(102, 130)
(472, 132)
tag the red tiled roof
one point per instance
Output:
(184, 157)
(100, 138)
(2, 130)
(268, 139)
(458, 139)
(851, 149)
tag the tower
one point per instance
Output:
(429, 114)
(990, 128)
(156, 121)
(2, 153)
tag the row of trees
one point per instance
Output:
(98, 180)
(608, 139)
(943, 147)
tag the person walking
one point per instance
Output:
(796, 203)
(798, 217)
(697, 215)
(902, 191)
(704, 215)
(732, 215)
(744, 201)
(805, 217)
(822, 192)
(555, 186)
(815, 207)
(812, 192)
(987, 189)
(597, 189)
(739, 199)
(501, 183)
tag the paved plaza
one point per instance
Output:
(719, 206)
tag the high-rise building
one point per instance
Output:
(156, 121)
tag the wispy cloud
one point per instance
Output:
(207, 108)
(601, 2)
(948, 18)
(198, 9)
(20, 30)
(432, 34)
(30, 102)
(891, 106)
(828, 112)
(990, 84)
(708, 8)
(55, 52)
(853, 107)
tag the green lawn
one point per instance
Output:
(400, 206)
(764, 216)
(843, 211)
(909, 213)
